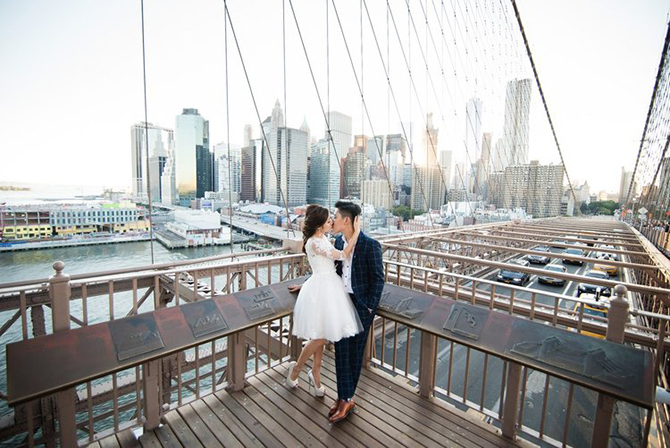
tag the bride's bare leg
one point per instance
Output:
(316, 370)
(308, 350)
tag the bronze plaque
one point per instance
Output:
(259, 304)
(203, 317)
(615, 365)
(466, 320)
(135, 336)
(406, 306)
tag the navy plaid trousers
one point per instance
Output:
(367, 281)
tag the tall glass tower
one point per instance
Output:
(194, 160)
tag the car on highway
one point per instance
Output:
(547, 279)
(588, 288)
(612, 271)
(538, 259)
(592, 313)
(586, 237)
(510, 276)
(554, 243)
(576, 252)
(599, 254)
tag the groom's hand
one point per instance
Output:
(294, 288)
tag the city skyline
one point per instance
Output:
(65, 90)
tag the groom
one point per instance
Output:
(363, 277)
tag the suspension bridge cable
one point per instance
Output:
(429, 137)
(146, 136)
(327, 118)
(258, 116)
(394, 100)
(659, 75)
(544, 101)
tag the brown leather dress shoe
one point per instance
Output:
(333, 408)
(342, 411)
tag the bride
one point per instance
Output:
(323, 311)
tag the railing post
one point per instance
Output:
(511, 404)
(150, 378)
(237, 361)
(616, 324)
(59, 294)
(427, 364)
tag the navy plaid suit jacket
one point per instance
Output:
(367, 282)
(367, 272)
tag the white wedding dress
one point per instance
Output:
(324, 309)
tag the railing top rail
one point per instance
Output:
(31, 284)
(145, 274)
(467, 278)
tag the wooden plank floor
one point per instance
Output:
(268, 413)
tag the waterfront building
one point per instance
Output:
(195, 228)
(46, 221)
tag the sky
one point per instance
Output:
(71, 82)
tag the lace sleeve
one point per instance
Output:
(321, 246)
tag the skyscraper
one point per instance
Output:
(428, 187)
(535, 188)
(340, 129)
(161, 147)
(473, 126)
(194, 161)
(248, 172)
(624, 185)
(284, 163)
(228, 173)
(324, 173)
(516, 126)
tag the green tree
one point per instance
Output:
(602, 207)
(406, 213)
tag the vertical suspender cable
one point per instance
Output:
(230, 179)
(330, 134)
(285, 147)
(146, 136)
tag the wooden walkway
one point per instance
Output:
(268, 413)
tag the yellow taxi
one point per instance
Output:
(592, 313)
(613, 271)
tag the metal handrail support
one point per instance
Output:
(59, 292)
(616, 324)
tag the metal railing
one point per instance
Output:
(467, 382)
(119, 400)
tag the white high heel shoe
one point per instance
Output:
(289, 382)
(318, 392)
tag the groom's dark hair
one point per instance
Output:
(348, 209)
